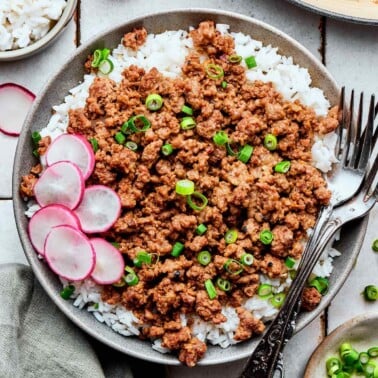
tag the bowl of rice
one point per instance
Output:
(138, 86)
(27, 27)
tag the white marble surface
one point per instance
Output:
(350, 53)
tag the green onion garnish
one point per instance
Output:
(142, 257)
(321, 284)
(224, 84)
(167, 149)
(185, 187)
(188, 123)
(235, 58)
(333, 362)
(98, 56)
(120, 283)
(177, 249)
(67, 292)
(375, 245)
(264, 291)
(120, 138)
(231, 236)
(220, 138)
(204, 258)
(106, 66)
(245, 153)
(199, 198)
(270, 142)
(131, 279)
(134, 122)
(247, 259)
(371, 293)
(363, 358)
(211, 292)
(250, 61)
(289, 262)
(201, 229)
(214, 71)
(230, 151)
(224, 285)
(233, 267)
(344, 348)
(154, 102)
(36, 137)
(373, 352)
(266, 237)
(351, 357)
(370, 369)
(277, 300)
(94, 143)
(131, 145)
(282, 167)
(187, 110)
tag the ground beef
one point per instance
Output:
(310, 298)
(135, 38)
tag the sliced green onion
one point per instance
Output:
(282, 167)
(94, 143)
(131, 145)
(371, 293)
(220, 138)
(250, 61)
(277, 300)
(125, 128)
(98, 56)
(321, 284)
(373, 352)
(214, 71)
(370, 369)
(224, 285)
(167, 149)
(36, 153)
(351, 357)
(136, 120)
(106, 66)
(235, 58)
(230, 151)
(187, 110)
(289, 262)
(131, 279)
(231, 236)
(204, 258)
(188, 123)
(375, 245)
(141, 258)
(211, 292)
(185, 187)
(120, 283)
(233, 267)
(264, 290)
(270, 142)
(224, 84)
(333, 371)
(154, 102)
(36, 137)
(199, 197)
(332, 362)
(247, 259)
(363, 358)
(344, 348)
(177, 249)
(266, 237)
(120, 138)
(201, 229)
(67, 292)
(245, 153)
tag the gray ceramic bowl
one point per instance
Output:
(69, 76)
(360, 331)
(39, 45)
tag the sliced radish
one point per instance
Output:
(62, 184)
(73, 148)
(99, 209)
(109, 262)
(69, 253)
(45, 219)
(15, 102)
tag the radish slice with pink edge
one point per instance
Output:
(73, 148)
(42, 222)
(109, 262)
(61, 184)
(99, 209)
(69, 253)
(15, 103)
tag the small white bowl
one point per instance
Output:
(360, 331)
(39, 45)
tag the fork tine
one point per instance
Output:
(357, 135)
(350, 132)
(341, 119)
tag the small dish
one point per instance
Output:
(358, 331)
(40, 44)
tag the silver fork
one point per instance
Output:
(353, 164)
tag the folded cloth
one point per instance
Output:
(37, 340)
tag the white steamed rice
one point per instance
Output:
(167, 53)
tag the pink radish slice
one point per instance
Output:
(73, 148)
(15, 102)
(45, 219)
(61, 184)
(69, 253)
(109, 262)
(99, 209)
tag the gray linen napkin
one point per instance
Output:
(37, 340)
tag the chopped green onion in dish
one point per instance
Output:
(177, 249)
(373, 352)
(187, 110)
(138, 124)
(106, 66)
(266, 237)
(188, 123)
(197, 201)
(154, 102)
(264, 290)
(36, 137)
(374, 246)
(233, 267)
(282, 167)
(120, 138)
(131, 145)
(224, 285)
(211, 292)
(185, 187)
(371, 293)
(245, 153)
(247, 259)
(270, 142)
(277, 300)
(120, 283)
(67, 292)
(98, 56)
(94, 144)
(220, 138)
(250, 61)
(333, 364)
(167, 149)
(321, 284)
(131, 279)
(214, 71)
(224, 84)
(235, 58)
(290, 262)
(141, 258)
(363, 358)
(204, 258)
(231, 236)
(201, 229)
